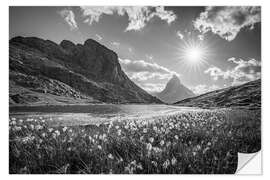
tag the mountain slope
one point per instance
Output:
(88, 71)
(174, 91)
(245, 95)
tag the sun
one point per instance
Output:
(193, 54)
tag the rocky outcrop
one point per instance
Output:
(174, 91)
(90, 69)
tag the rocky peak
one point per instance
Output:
(174, 82)
(67, 45)
(174, 90)
(91, 42)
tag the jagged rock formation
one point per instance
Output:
(89, 72)
(174, 91)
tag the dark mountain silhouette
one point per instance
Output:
(174, 91)
(42, 72)
(245, 95)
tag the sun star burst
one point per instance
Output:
(193, 54)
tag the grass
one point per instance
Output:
(193, 142)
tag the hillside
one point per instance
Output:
(245, 95)
(174, 91)
(43, 72)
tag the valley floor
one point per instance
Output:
(188, 142)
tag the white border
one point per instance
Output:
(4, 78)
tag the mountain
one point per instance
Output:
(43, 72)
(174, 91)
(245, 95)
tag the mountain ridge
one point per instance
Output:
(90, 69)
(246, 95)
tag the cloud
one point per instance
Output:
(149, 76)
(202, 88)
(214, 72)
(201, 37)
(167, 16)
(180, 35)
(141, 70)
(69, 18)
(138, 16)
(99, 37)
(152, 87)
(227, 21)
(116, 44)
(244, 71)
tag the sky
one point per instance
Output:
(208, 48)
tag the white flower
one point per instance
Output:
(28, 139)
(17, 128)
(145, 130)
(149, 146)
(157, 150)
(64, 129)
(38, 127)
(174, 160)
(29, 119)
(139, 166)
(119, 132)
(176, 137)
(32, 126)
(151, 140)
(161, 142)
(110, 156)
(57, 133)
(121, 159)
(166, 164)
(205, 150)
(154, 163)
(99, 147)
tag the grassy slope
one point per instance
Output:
(246, 95)
(43, 92)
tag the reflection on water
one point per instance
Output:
(89, 114)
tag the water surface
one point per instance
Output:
(97, 113)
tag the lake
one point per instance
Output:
(94, 113)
